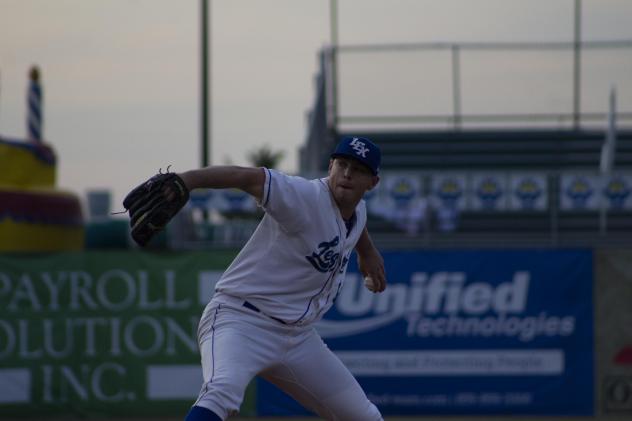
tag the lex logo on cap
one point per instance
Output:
(359, 147)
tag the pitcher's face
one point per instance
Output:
(349, 180)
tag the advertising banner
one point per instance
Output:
(528, 192)
(103, 333)
(616, 191)
(580, 192)
(489, 191)
(613, 345)
(449, 190)
(592, 191)
(466, 332)
(403, 203)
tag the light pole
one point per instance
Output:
(577, 66)
(205, 118)
(333, 27)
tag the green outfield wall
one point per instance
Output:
(103, 333)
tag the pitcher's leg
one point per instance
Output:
(233, 350)
(318, 380)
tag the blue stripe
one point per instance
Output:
(269, 186)
(35, 112)
(314, 296)
(213, 342)
(34, 132)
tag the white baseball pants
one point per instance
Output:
(237, 343)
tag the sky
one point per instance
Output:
(121, 78)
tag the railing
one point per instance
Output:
(451, 83)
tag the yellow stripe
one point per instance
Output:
(21, 168)
(18, 236)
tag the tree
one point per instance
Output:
(264, 156)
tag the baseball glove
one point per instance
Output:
(152, 204)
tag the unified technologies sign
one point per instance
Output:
(467, 332)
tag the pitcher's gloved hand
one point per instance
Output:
(152, 204)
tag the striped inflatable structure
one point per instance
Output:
(34, 215)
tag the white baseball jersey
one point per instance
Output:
(294, 264)
(290, 270)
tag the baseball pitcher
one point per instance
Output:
(261, 318)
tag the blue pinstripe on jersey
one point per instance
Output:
(269, 187)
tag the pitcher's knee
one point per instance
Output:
(351, 407)
(371, 413)
(376, 413)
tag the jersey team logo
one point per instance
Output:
(325, 258)
(359, 147)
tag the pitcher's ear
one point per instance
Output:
(374, 181)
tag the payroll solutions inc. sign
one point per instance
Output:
(102, 333)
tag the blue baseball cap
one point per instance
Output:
(361, 149)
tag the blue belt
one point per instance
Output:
(254, 308)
